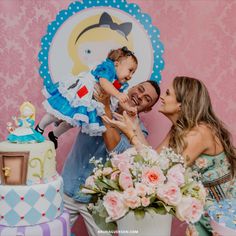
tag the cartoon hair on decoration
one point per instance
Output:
(93, 38)
(27, 109)
(106, 21)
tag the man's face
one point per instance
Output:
(143, 96)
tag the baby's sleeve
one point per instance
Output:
(104, 70)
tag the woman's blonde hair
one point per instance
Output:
(196, 108)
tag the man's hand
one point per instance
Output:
(100, 95)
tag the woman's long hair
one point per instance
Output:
(196, 108)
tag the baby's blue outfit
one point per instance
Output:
(73, 100)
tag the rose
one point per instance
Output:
(114, 175)
(189, 209)
(141, 189)
(176, 174)
(90, 182)
(116, 159)
(170, 193)
(106, 171)
(145, 201)
(125, 180)
(131, 198)
(121, 161)
(152, 176)
(124, 166)
(114, 204)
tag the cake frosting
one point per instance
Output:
(41, 162)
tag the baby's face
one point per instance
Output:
(125, 69)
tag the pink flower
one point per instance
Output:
(170, 193)
(124, 166)
(90, 182)
(131, 198)
(189, 209)
(145, 201)
(116, 159)
(176, 174)
(107, 170)
(125, 180)
(152, 176)
(141, 189)
(114, 175)
(114, 205)
(121, 161)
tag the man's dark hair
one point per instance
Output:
(156, 87)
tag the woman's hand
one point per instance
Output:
(131, 111)
(125, 123)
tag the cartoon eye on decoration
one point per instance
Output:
(82, 36)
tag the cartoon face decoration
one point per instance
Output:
(82, 36)
(92, 40)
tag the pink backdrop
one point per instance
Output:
(199, 39)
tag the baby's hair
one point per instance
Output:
(120, 53)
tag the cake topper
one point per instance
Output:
(24, 131)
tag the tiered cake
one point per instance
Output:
(31, 191)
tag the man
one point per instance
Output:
(77, 167)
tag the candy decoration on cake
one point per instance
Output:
(223, 217)
(24, 133)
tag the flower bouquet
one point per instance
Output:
(143, 181)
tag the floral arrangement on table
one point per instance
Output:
(143, 181)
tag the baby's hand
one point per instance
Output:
(122, 97)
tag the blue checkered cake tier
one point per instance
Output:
(24, 205)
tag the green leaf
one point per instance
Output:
(139, 213)
(108, 164)
(101, 223)
(100, 184)
(112, 184)
(152, 198)
(138, 158)
(151, 210)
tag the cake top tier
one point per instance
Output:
(23, 131)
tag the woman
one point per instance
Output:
(198, 135)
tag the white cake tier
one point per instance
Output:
(24, 205)
(41, 162)
(58, 227)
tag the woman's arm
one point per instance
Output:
(196, 141)
(196, 145)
